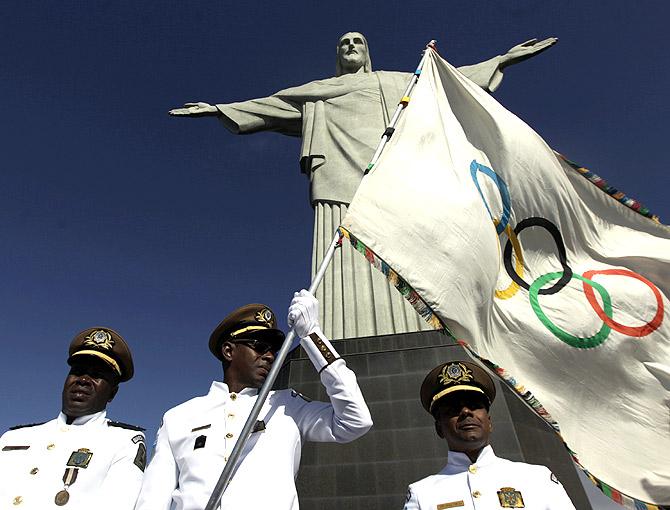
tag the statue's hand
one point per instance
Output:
(195, 110)
(526, 50)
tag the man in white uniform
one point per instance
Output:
(458, 394)
(197, 437)
(80, 460)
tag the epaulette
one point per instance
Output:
(124, 425)
(15, 427)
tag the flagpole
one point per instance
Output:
(390, 129)
(281, 356)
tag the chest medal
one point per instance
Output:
(77, 460)
(62, 497)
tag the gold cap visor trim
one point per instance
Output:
(248, 328)
(458, 387)
(102, 356)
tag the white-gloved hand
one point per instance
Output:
(303, 314)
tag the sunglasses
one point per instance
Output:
(260, 346)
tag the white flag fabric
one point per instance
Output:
(561, 285)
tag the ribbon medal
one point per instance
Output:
(78, 460)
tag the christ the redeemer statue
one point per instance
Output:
(340, 121)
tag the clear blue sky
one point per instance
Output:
(113, 213)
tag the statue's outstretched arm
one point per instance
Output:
(526, 50)
(195, 110)
(489, 74)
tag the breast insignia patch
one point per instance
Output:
(9, 448)
(200, 442)
(80, 458)
(510, 498)
(141, 457)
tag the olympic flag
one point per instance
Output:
(489, 232)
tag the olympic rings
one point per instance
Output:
(607, 319)
(562, 257)
(513, 287)
(571, 340)
(502, 189)
(563, 277)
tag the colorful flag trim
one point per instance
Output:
(616, 194)
(526, 395)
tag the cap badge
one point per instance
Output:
(100, 338)
(455, 373)
(264, 316)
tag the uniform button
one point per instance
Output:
(225, 459)
(231, 415)
(472, 468)
(233, 396)
(17, 500)
(229, 435)
(64, 429)
(476, 494)
(34, 471)
(51, 446)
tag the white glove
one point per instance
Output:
(303, 314)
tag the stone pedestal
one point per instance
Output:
(373, 472)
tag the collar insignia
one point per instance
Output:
(100, 338)
(510, 498)
(455, 373)
(264, 316)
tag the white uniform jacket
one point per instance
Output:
(489, 483)
(105, 458)
(196, 438)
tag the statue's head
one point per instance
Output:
(353, 54)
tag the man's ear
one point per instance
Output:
(113, 394)
(227, 350)
(438, 429)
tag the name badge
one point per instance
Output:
(451, 504)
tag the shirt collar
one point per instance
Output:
(83, 420)
(220, 390)
(459, 461)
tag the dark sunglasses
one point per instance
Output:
(260, 346)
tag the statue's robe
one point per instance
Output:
(340, 121)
